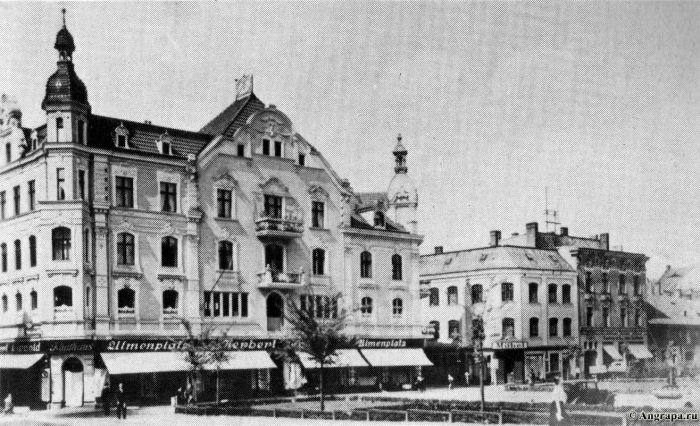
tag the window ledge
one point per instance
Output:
(71, 272)
(226, 219)
(123, 271)
(170, 274)
(324, 229)
(367, 284)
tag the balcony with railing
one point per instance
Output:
(278, 227)
(274, 279)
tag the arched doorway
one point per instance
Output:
(73, 382)
(275, 312)
(274, 256)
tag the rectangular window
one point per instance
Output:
(622, 288)
(3, 202)
(635, 284)
(31, 192)
(317, 214)
(637, 318)
(606, 317)
(223, 202)
(566, 327)
(121, 141)
(533, 292)
(60, 184)
(606, 283)
(217, 304)
(81, 184)
(225, 304)
(266, 147)
(589, 317)
(534, 327)
(241, 150)
(566, 293)
(507, 292)
(273, 206)
(552, 293)
(124, 187)
(278, 149)
(168, 197)
(8, 153)
(17, 199)
(302, 159)
(623, 317)
(234, 306)
(244, 305)
(553, 327)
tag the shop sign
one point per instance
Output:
(130, 345)
(510, 344)
(47, 346)
(389, 343)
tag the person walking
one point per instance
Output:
(450, 381)
(466, 378)
(557, 413)
(106, 400)
(121, 402)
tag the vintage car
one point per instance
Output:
(587, 392)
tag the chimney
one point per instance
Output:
(564, 231)
(495, 238)
(605, 241)
(531, 232)
(438, 249)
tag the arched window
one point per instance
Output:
(18, 255)
(34, 300)
(170, 302)
(534, 327)
(318, 256)
(366, 306)
(168, 252)
(81, 132)
(32, 251)
(379, 219)
(125, 249)
(533, 287)
(126, 299)
(62, 296)
(508, 325)
(366, 264)
(3, 250)
(452, 296)
(4, 303)
(477, 293)
(453, 329)
(59, 128)
(552, 293)
(435, 326)
(396, 267)
(60, 241)
(434, 299)
(507, 292)
(553, 327)
(226, 255)
(566, 293)
(566, 327)
(397, 307)
(18, 301)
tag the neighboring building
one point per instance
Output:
(113, 231)
(527, 298)
(673, 310)
(611, 298)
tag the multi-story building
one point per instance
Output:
(115, 235)
(612, 287)
(526, 298)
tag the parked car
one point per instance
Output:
(587, 392)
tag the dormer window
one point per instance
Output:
(165, 148)
(165, 144)
(266, 147)
(121, 137)
(379, 219)
(278, 149)
(302, 159)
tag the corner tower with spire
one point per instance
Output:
(402, 193)
(66, 101)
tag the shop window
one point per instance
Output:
(366, 264)
(125, 249)
(452, 296)
(434, 298)
(366, 306)
(508, 327)
(170, 302)
(566, 293)
(566, 327)
(396, 267)
(553, 327)
(552, 293)
(225, 255)
(62, 297)
(168, 250)
(477, 293)
(61, 242)
(534, 327)
(397, 307)
(507, 292)
(533, 287)
(453, 329)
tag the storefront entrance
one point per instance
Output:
(73, 382)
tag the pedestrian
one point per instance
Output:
(121, 402)
(557, 412)
(450, 381)
(106, 399)
(420, 383)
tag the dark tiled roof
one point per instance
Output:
(234, 116)
(143, 137)
(64, 87)
(507, 257)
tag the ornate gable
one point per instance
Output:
(273, 186)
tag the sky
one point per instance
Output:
(595, 101)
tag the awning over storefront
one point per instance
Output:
(640, 351)
(19, 362)
(145, 362)
(342, 358)
(612, 351)
(396, 357)
(244, 360)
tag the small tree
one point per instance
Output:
(317, 332)
(478, 337)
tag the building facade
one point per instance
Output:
(526, 298)
(117, 236)
(612, 288)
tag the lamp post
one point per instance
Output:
(478, 337)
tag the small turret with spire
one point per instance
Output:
(402, 193)
(400, 154)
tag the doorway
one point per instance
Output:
(73, 382)
(274, 256)
(275, 312)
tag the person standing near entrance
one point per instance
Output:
(557, 413)
(121, 402)
(106, 400)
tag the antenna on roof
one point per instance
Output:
(551, 217)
